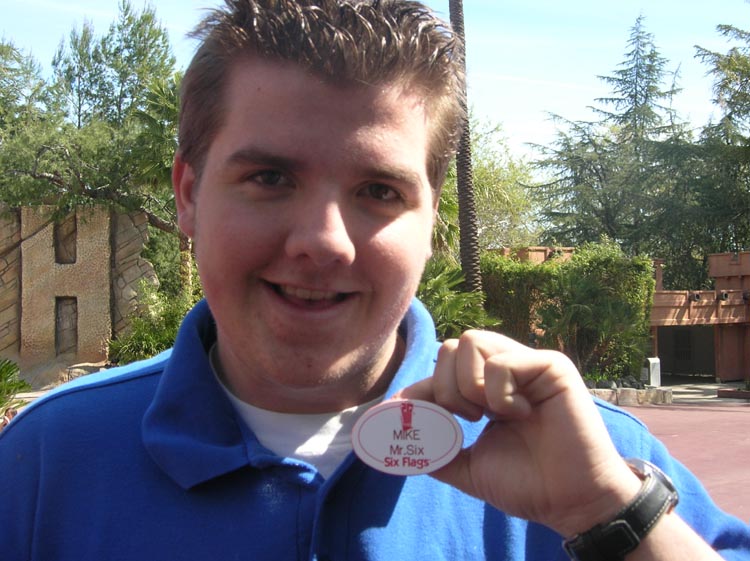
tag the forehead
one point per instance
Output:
(299, 86)
(290, 109)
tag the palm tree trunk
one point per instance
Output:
(467, 214)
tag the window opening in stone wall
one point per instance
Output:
(66, 325)
(65, 235)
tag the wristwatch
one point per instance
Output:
(612, 540)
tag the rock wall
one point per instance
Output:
(67, 288)
(10, 284)
(130, 234)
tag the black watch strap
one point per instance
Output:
(612, 540)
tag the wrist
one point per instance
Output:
(614, 539)
(611, 497)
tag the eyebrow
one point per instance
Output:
(258, 156)
(391, 173)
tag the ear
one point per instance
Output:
(185, 192)
(436, 193)
(435, 204)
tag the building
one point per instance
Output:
(694, 332)
(706, 331)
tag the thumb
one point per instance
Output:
(422, 390)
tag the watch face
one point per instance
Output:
(644, 468)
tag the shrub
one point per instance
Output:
(453, 310)
(596, 309)
(513, 291)
(153, 329)
(10, 385)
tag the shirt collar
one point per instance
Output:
(191, 429)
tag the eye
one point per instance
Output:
(269, 178)
(381, 192)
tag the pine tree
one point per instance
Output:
(603, 177)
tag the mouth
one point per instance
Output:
(308, 297)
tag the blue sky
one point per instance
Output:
(525, 59)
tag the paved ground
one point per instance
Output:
(711, 436)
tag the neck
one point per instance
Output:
(332, 391)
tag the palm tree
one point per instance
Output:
(467, 216)
(158, 142)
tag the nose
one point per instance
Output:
(321, 234)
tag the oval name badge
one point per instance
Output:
(407, 437)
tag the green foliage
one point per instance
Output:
(639, 177)
(731, 72)
(163, 252)
(153, 329)
(87, 140)
(445, 234)
(513, 291)
(641, 102)
(604, 178)
(596, 309)
(157, 140)
(106, 78)
(453, 310)
(506, 215)
(505, 212)
(704, 207)
(77, 71)
(10, 384)
(22, 90)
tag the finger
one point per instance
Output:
(458, 473)
(505, 399)
(537, 374)
(446, 383)
(471, 355)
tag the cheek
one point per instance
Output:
(230, 244)
(403, 253)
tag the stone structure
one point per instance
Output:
(706, 331)
(66, 288)
(10, 286)
(537, 254)
(693, 331)
(130, 233)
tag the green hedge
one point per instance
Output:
(597, 310)
(595, 307)
(513, 290)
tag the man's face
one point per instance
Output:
(312, 223)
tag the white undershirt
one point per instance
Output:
(323, 440)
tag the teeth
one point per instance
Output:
(305, 294)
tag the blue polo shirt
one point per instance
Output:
(151, 462)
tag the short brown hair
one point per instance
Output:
(347, 42)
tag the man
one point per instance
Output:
(314, 138)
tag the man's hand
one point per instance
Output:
(546, 455)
